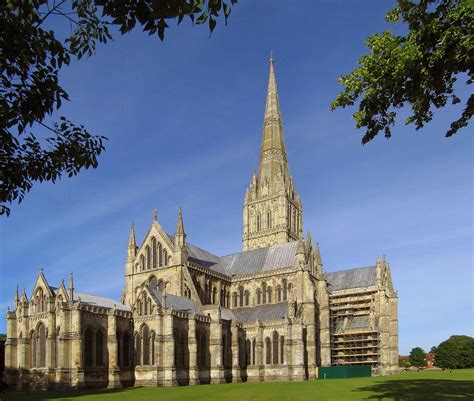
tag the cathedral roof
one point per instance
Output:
(352, 278)
(201, 257)
(177, 302)
(95, 300)
(261, 312)
(259, 260)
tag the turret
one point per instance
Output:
(300, 255)
(71, 288)
(180, 240)
(132, 244)
(17, 297)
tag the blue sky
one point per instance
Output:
(184, 121)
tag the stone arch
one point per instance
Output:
(154, 255)
(145, 346)
(275, 349)
(268, 351)
(153, 283)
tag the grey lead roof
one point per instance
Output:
(178, 303)
(259, 260)
(227, 314)
(352, 278)
(201, 257)
(95, 300)
(261, 312)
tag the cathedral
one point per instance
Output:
(187, 316)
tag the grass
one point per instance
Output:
(409, 386)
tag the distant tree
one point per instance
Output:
(419, 68)
(403, 363)
(433, 349)
(417, 357)
(31, 56)
(456, 352)
(3, 337)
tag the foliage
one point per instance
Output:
(456, 352)
(3, 337)
(403, 363)
(31, 57)
(417, 357)
(419, 68)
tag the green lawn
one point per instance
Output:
(412, 386)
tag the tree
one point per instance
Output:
(3, 337)
(417, 357)
(31, 56)
(456, 352)
(419, 69)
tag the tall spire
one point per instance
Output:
(273, 150)
(272, 209)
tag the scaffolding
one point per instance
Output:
(354, 337)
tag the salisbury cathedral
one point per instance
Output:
(187, 316)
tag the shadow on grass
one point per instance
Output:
(421, 390)
(38, 395)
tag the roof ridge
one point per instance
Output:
(259, 249)
(351, 269)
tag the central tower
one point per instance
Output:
(272, 210)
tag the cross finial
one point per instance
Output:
(155, 215)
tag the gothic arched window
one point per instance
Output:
(41, 346)
(148, 257)
(153, 283)
(259, 296)
(33, 349)
(99, 348)
(165, 257)
(264, 293)
(269, 296)
(282, 349)
(278, 293)
(214, 295)
(241, 296)
(269, 219)
(268, 351)
(153, 247)
(152, 348)
(142, 262)
(247, 297)
(145, 336)
(119, 346)
(275, 350)
(284, 289)
(234, 300)
(88, 347)
(248, 351)
(138, 345)
(254, 351)
(126, 349)
(56, 348)
(160, 254)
